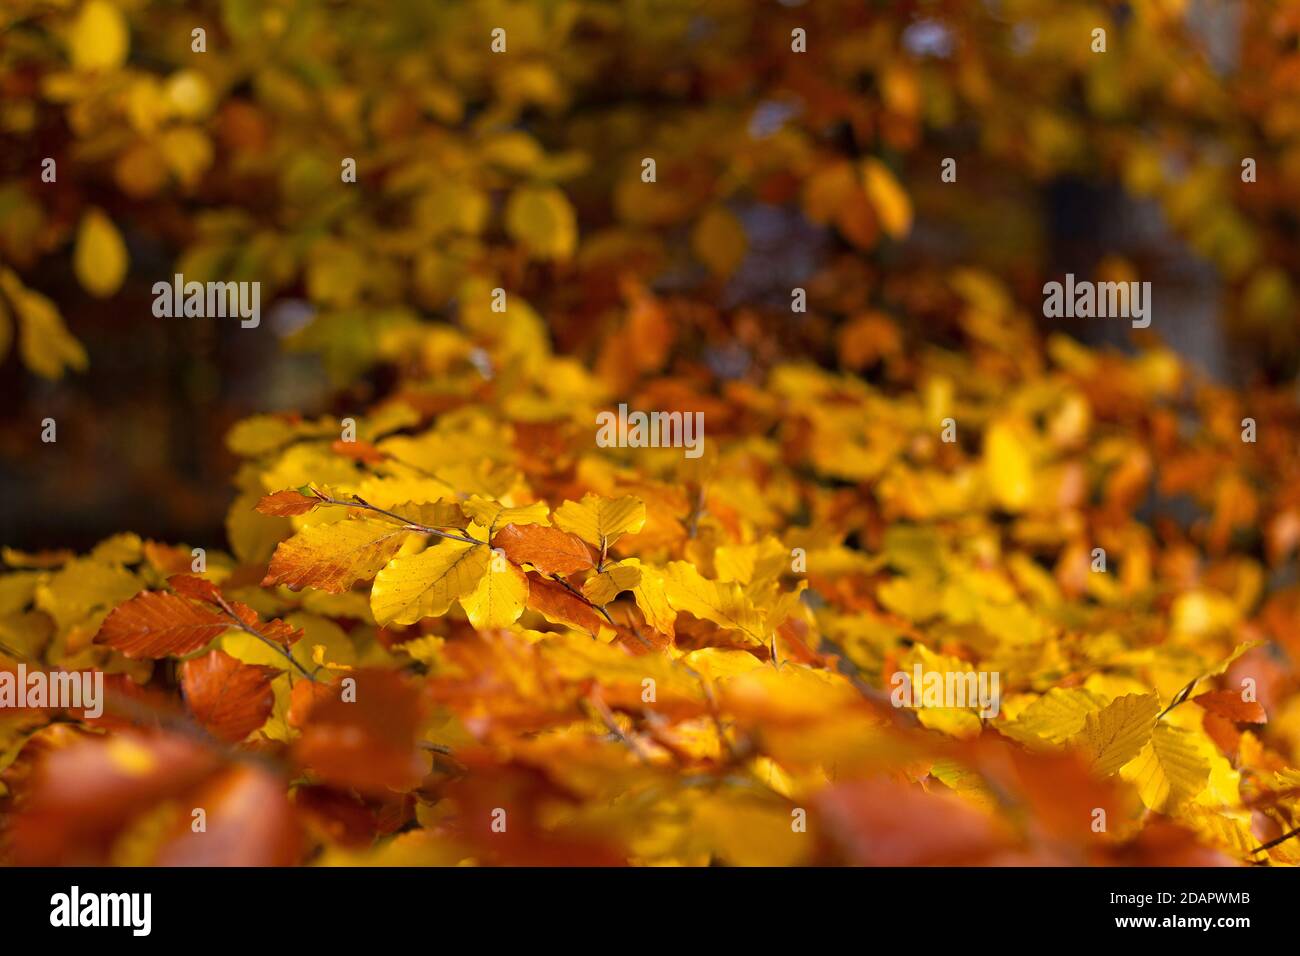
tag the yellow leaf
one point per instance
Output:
(46, 345)
(722, 602)
(493, 514)
(516, 151)
(83, 587)
(717, 663)
(1114, 735)
(603, 587)
(1055, 717)
(124, 548)
(953, 721)
(543, 221)
(189, 95)
(187, 152)
(100, 256)
(319, 657)
(253, 536)
(916, 598)
(747, 831)
(422, 585)
(719, 241)
(755, 563)
(499, 598)
(889, 198)
(601, 521)
(1170, 770)
(99, 39)
(318, 632)
(652, 597)
(1008, 466)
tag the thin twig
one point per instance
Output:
(274, 645)
(1272, 843)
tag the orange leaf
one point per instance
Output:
(1228, 704)
(560, 606)
(883, 823)
(357, 451)
(550, 550)
(282, 504)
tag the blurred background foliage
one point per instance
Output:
(522, 170)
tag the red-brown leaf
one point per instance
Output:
(193, 586)
(228, 697)
(156, 624)
(281, 632)
(82, 796)
(368, 743)
(249, 822)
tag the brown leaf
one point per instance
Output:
(304, 696)
(228, 697)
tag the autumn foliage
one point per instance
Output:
(457, 629)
